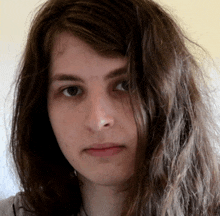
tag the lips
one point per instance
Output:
(104, 149)
(105, 152)
(105, 145)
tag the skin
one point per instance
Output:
(98, 111)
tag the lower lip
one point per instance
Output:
(105, 152)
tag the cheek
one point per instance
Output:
(62, 124)
(129, 117)
(67, 136)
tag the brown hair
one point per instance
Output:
(176, 168)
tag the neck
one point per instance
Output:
(101, 200)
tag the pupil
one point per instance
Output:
(72, 90)
(125, 85)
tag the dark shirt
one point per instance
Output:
(12, 206)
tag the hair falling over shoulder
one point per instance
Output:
(177, 171)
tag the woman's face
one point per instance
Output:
(88, 104)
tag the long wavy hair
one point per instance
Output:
(176, 168)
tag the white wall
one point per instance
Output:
(15, 17)
(8, 61)
(201, 21)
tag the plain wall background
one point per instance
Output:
(199, 19)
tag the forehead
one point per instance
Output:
(62, 40)
(68, 50)
(65, 42)
(71, 55)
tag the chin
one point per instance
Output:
(111, 180)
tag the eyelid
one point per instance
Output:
(121, 81)
(72, 86)
(81, 88)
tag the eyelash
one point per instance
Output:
(64, 91)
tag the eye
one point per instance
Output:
(71, 91)
(124, 84)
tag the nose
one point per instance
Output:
(100, 114)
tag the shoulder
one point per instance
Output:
(6, 206)
(12, 206)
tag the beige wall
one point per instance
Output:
(200, 18)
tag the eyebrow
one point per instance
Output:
(64, 77)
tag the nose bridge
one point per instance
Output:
(100, 104)
(100, 110)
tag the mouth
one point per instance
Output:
(105, 152)
(105, 146)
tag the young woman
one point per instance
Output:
(110, 116)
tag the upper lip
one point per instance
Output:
(104, 145)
